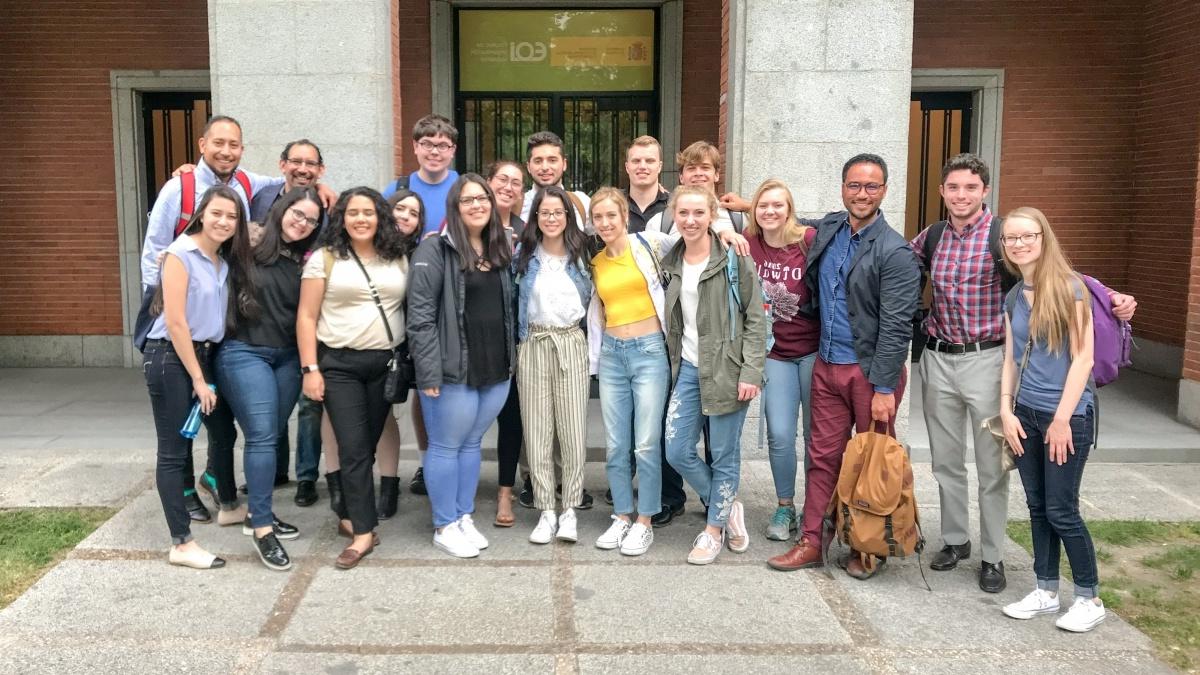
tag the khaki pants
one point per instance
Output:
(959, 391)
(552, 374)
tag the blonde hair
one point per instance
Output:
(645, 142)
(685, 190)
(613, 195)
(792, 231)
(1056, 316)
(698, 153)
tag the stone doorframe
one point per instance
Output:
(670, 58)
(987, 88)
(128, 152)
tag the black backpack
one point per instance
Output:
(1007, 279)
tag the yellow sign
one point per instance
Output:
(556, 50)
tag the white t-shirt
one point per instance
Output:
(689, 297)
(555, 299)
(349, 318)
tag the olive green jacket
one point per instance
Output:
(728, 355)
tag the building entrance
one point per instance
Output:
(589, 76)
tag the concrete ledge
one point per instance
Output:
(1189, 402)
(44, 351)
(1158, 358)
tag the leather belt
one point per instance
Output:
(955, 348)
(206, 345)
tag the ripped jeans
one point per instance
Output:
(717, 485)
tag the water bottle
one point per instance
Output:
(192, 426)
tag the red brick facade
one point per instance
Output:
(58, 205)
(415, 89)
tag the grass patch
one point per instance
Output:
(33, 540)
(1148, 574)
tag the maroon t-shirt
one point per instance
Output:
(782, 274)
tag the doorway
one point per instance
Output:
(939, 128)
(588, 76)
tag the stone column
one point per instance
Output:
(811, 84)
(317, 70)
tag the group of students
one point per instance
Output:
(683, 315)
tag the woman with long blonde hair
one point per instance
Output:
(779, 246)
(1047, 406)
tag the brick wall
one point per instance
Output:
(702, 57)
(411, 35)
(1069, 98)
(56, 147)
(1161, 247)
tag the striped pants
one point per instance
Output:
(552, 377)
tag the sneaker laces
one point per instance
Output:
(784, 515)
(705, 541)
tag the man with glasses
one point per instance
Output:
(961, 364)
(865, 284)
(434, 142)
(301, 165)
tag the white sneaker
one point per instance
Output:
(452, 540)
(1037, 602)
(1083, 616)
(637, 541)
(704, 549)
(614, 535)
(544, 532)
(467, 525)
(567, 526)
(736, 534)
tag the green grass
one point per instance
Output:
(33, 540)
(1148, 573)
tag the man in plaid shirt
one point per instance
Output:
(960, 368)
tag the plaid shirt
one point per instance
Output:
(967, 300)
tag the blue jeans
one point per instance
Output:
(786, 394)
(456, 421)
(1052, 493)
(261, 385)
(717, 485)
(634, 381)
(308, 438)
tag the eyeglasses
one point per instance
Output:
(299, 216)
(500, 181)
(552, 215)
(477, 199)
(430, 146)
(302, 162)
(871, 188)
(1026, 238)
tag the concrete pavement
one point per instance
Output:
(85, 437)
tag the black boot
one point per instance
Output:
(389, 493)
(337, 502)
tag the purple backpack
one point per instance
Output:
(1112, 337)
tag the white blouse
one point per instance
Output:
(554, 300)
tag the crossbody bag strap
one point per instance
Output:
(375, 296)
(1021, 371)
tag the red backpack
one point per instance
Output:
(187, 196)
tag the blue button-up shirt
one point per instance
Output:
(164, 216)
(837, 340)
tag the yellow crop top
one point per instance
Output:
(622, 288)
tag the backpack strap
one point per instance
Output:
(932, 239)
(667, 223)
(400, 182)
(328, 260)
(735, 294)
(1008, 280)
(738, 220)
(244, 180)
(662, 278)
(578, 204)
(187, 200)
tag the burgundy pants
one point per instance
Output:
(841, 403)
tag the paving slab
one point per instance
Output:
(145, 599)
(933, 619)
(90, 655)
(690, 604)
(448, 605)
(1061, 659)
(409, 534)
(75, 482)
(281, 663)
(689, 664)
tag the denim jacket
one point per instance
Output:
(577, 271)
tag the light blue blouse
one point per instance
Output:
(207, 293)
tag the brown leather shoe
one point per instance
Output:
(803, 555)
(856, 569)
(349, 557)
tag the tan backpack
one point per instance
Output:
(873, 509)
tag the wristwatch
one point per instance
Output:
(313, 368)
